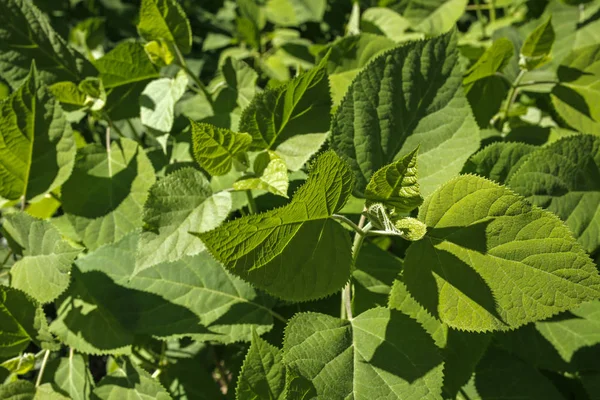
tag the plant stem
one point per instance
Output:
(532, 83)
(6, 258)
(480, 17)
(251, 202)
(107, 138)
(348, 222)
(492, 11)
(512, 94)
(42, 368)
(181, 62)
(347, 291)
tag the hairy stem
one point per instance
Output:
(346, 311)
(512, 94)
(42, 368)
(348, 222)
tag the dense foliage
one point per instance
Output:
(297, 199)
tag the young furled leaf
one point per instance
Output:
(43, 272)
(27, 35)
(491, 261)
(37, 149)
(216, 148)
(129, 382)
(17, 314)
(158, 102)
(389, 224)
(176, 204)
(287, 251)
(408, 96)
(165, 20)
(381, 353)
(272, 175)
(104, 196)
(395, 185)
(263, 374)
(536, 49)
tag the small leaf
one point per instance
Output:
(129, 382)
(273, 176)
(127, 63)
(381, 353)
(176, 204)
(37, 149)
(493, 60)
(43, 272)
(381, 20)
(20, 365)
(299, 106)
(395, 185)
(158, 101)
(165, 20)
(490, 261)
(263, 374)
(216, 148)
(295, 12)
(536, 48)
(159, 53)
(17, 314)
(287, 251)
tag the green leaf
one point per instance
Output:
(299, 106)
(375, 125)
(287, 251)
(126, 64)
(272, 175)
(104, 196)
(20, 365)
(129, 382)
(70, 376)
(165, 20)
(431, 17)
(563, 178)
(37, 149)
(48, 391)
(491, 261)
(493, 60)
(499, 160)
(235, 80)
(295, 12)
(158, 102)
(177, 204)
(216, 148)
(297, 150)
(43, 272)
(381, 353)
(385, 21)
(17, 317)
(263, 374)
(17, 390)
(395, 185)
(27, 35)
(537, 46)
(577, 96)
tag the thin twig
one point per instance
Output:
(42, 368)
(348, 222)
(251, 202)
(347, 291)
(512, 94)
(183, 64)
(107, 138)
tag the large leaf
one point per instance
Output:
(499, 160)
(158, 102)
(577, 96)
(287, 251)
(491, 261)
(17, 318)
(71, 376)
(165, 20)
(129, 382)
(263, 374)
(37, 149)
(177, 204)
(43, 272)
(411, 95)
(104, 196)
(299, 106)
(295, 12)
(564, 178)
(26, 35)
(381, 353)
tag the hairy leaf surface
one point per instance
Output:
(499, 161)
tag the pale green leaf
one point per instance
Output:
(129, 382)
(381, 353)
(272, 175)
(158, 102)
(263, 374)
(177, 204)
(375, 125)
(395, 185)
(493, 60)
(19, 365)
(299, 106)
(26, 35)
(491, 261)
(295, 12)
(47, 391)
(70, 376)
(126, 64)
(536, 48)
(17, 318)
(43, 272)
(17, 390)
(564, 178)
(499, 161)
(37, 149)
(431, 17)
(165, 20)
(577, 95)
(385, 21)
(216, 148)
(297, 150)
(287, 251)
(104, 196)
